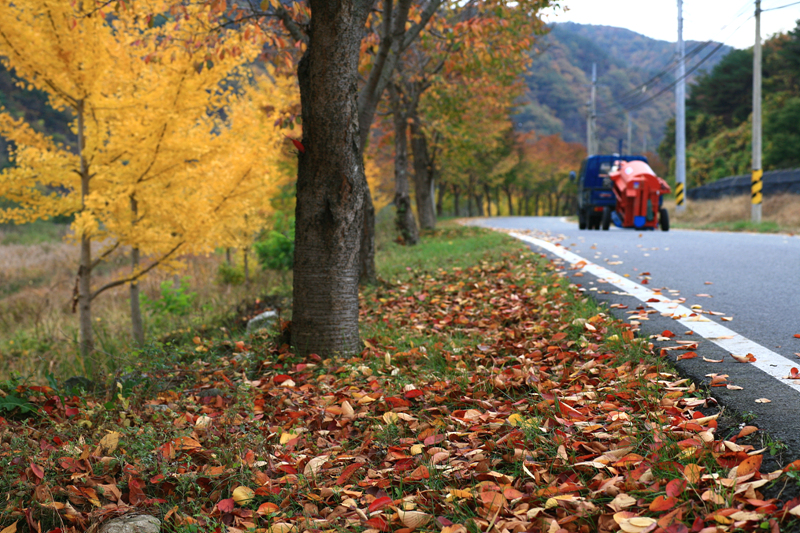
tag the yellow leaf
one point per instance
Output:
(243, 495)
(390, 418)
(10, 529)
(286, 437)
(516, 420)
(110, 442)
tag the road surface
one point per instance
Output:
(748, 286)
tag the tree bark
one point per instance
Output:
(424, 175)
(479, 204)
(137, 326)
(469, 204)
(85, 265)
(456, 198)
(331, 184)
(487, 192)
(366, 254)
(404, 217)
(245, 253)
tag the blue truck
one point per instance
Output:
(595, 190)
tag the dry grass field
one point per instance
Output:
(38, 330)
(780, 213)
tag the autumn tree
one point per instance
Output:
(168, 141)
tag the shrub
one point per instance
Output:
(177, 301)
(230, 274)
(276, 251)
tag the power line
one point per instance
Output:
(781, 7)
(631, 94)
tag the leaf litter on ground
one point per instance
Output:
(481, 402)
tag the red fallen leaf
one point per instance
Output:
(413, 393)
(687, 355)
(136, 491)
(37, 470)
(347, 473)
(645, 281)
(376, 522)
(267, 508)
(794, 374)
(797, 335)
(379, 504)
(419, 473)
(56, 530)
(667, 333)
(297, 144)
(155, 480)
(72, 411)
(288, 469)
(558, 336)
(676, 528)
(226, 505)
(747, 430)
(749, 358)
(280, 378)
(433, 439)
(675, 487)
(239, 346)
(662, 503)
(397, 402)
(653, 300)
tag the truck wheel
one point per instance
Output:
(594, 222)
(664, 219)
(581, 218)
(606, 220)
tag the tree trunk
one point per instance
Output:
(536, 204)
(423, 176)
(456, 198)
(331, 184)
(245, 251)
(137, 326)
(439, 197)
(406, 225)
(85, 267)
(487, 192)
(510, 205)
(366, 254)
(228, 259)
(479, 204)
(469, 204)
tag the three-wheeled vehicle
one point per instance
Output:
(639, 197)
(595, 189)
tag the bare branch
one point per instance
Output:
(136, 276)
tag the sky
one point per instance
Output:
(729, 21)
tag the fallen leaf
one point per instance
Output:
(314, 465)
(663, 503)
(687, 355)
(226, 505)
(243, 495)
(734, 387)
(707, 360)
(749, 358)
(413, 519)
(10, 529)
(763, 400)
(692, 473)
(794, 373)
(110, 442)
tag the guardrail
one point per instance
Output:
(775, 182)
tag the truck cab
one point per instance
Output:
(595, 190)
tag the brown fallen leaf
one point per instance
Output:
(763, 400)
(749, 358)
(734, 387)
(707, 360)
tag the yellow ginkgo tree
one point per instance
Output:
(175, 134)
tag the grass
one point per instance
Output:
(780, 214)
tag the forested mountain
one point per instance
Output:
(718, 113)
(558, 84)
(32, 106)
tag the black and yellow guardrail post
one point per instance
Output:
(756, 186)
(679, 194)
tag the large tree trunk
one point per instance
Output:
(439, 196)
(479, 204)
(85, 266)
(456, 198)
(469, 204)
(366, 255)
(488, 202)
(331, 185)
(406, 225)
(423, 176)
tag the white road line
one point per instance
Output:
(767, 361)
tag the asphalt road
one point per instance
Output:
(751, 279)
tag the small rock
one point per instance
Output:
(140, 523)
(264, 320)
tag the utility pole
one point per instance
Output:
(630, 133)
(591, 124)
(757, 184)
(680, 119)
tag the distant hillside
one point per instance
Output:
(32, 105)
(560, 76)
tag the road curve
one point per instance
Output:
(752, 279)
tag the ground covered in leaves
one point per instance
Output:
(487, 398)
